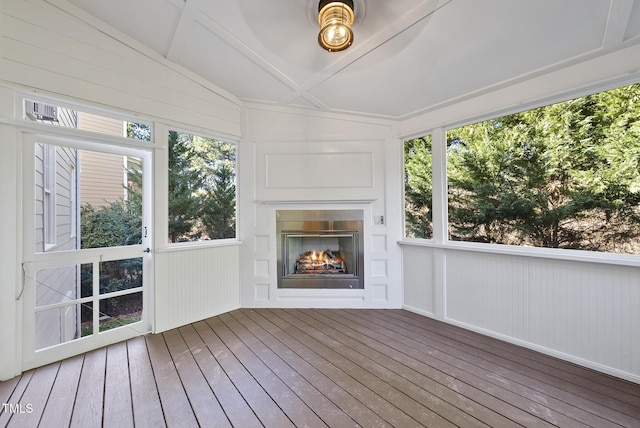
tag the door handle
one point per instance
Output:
(148, 250)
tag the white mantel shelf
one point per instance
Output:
(315, 201)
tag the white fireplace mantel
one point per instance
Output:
(327, 202)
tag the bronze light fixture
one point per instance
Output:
(335, 19)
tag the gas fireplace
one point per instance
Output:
(320, 248)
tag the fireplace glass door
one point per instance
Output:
(319, 254)
(319, 249)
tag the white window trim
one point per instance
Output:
(49, 196)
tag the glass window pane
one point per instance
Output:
(118, 275)
(86, 280)
(119, 311)
(104, 192)
(202, 190)
(66, 117)
(110, 200)
(86, 319)
(418, 188)
(58, 325)
(55, 198)
(61, 284)
(565, 175)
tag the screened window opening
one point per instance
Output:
(55, 115)
(418, 188)
(565, 175)
(96, 205)
(202, 190)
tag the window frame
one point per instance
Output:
(24, 98)
(440, 185)
(49, 190)
(404, 187)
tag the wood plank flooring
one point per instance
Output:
(317, 368)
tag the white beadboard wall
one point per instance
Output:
(419, 284)
(195, 283)
(10, 248)
(583, 312)
(47, 51)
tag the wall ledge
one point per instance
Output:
(544, 253)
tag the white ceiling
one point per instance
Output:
(409, 56)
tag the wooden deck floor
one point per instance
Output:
(317, 368)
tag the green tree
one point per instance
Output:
(219, 211)
(138, 131)
(201, 188)
(565, 175)
(112, 225)
(216, 161)
(418, 188)
(184, 181)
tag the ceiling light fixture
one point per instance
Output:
(335, 19)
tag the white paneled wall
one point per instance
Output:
(584, 312)
(419, 288)
(195, 283)
(10, 248)
(53, 53)
(316, 161)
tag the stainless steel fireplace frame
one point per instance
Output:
(338, 224)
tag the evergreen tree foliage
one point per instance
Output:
(184, 181)
(202, 202)
(138, 131)
(564, 176)
(418, 188)
(219, 212)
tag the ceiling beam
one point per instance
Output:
(187, 17)
(218, 30)
(411, 17)
(617, 22)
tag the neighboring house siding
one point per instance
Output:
(67, 117)
(54, 284)
(65, 166)
(101, 124)
(55, 326)
(102, 176)
(39, 198)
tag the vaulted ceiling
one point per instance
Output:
(409, 56)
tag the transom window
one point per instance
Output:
(68, 117)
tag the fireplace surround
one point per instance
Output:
(320, 248)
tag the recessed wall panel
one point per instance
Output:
(319, 170)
